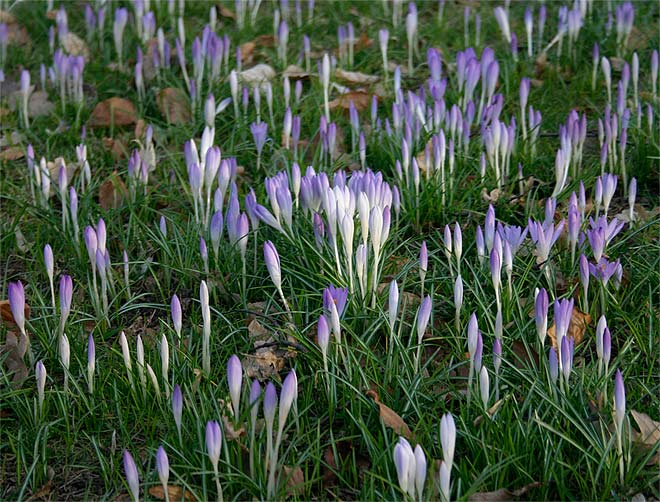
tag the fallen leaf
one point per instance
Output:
(576, 328)
(174, 492)
(356, 77)
(525, 355)
(149, 70)
(7, 317)
(38, 103)
(174, 106)
(295, 480)
(257, 75)
(263, 365)
(389, 417)
(16, 34)
(43, 492)
(247, 52)
(12, 153)
(361, 100)
(112, 193)
(226, 12)
(648, 436)
(116, 146)
(502, 494)
(7, 17)
(113, 111)
(492, 196)
(14, 350)
(229, 431)
(295, 72)
(75, 46)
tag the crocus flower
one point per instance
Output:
(235, 381)
(126, 354)
(206, 328)
(259, 133)
(132, 476)
(423, 316)
(458, 300)
(91, 363)
(404, 461)
(177, 407)
(541, 314)
(270, 403)
(420, 471)
(423, 262)
(393, 304)
(16, 295)
(448, 439)
(175, 309)
(445, 479)
(66, 293)
(49, 263)
(40, 375)
(65, 358)
(566, 354)
(604, 270)
(563, 310)
(121, 17)
(163, 469)
(553, 364)
(484, 386)
(25, 96)
(213, 447)
(619, 400)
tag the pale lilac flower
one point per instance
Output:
(235, 381)
(132, 476)
(16, 295)
(163, 469)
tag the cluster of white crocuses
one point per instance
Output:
(411, 464)
(268, 456)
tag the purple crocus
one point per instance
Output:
(163, 469)
(259, 133)
(234, 382)
(132, 476)
(338, 296)
(16, 295)
(66, 293)
(177, 407)
(541, 314)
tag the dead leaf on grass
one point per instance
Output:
(117, 147)
(648, 436)
(263, 365)
(113, 192)
(295, 72)
(75, 46)
(7, 317)
(389, 417)
(174, 492)
(16, 34)
(38, 103)
(226, 12)
(229, 430)
(492, 196)
(361, 100)
(576, 328)
(502, 494)
(356, 77)
(174, 106)
(13, 352)
(295, 480)
(257, 75)
(113, 111)
(12, 153)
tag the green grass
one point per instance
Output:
(559, 442)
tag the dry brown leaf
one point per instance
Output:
(648, 436)
(43, 492)
(226, 12)
(263, 365)
(174, 492)
(524, 358)
(12, 153)
(295, 480)
(113, 111)
(356, 77)
(149, 70)
(247, 52)
(229, 430)
(117, 147)
(389, 417)
(295, 72)
(7, 17)
(502, 494)
(39, 105)
(13, 353)
(576, 328)
(174, 106)
(492, 196)
(257, 75)
(16, 34)
(7, 317)
(361, 100)
(75, 46)
(113, 192)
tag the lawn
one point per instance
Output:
(329, 250)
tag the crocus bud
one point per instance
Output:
(235, 381)
(16, 295)
(632, 193)
(287, 396)
(484, 386)
(404, 461)
(177, 407)
(163, 467)
(619, 400)
(213, 443)
(323, 336)
(448, 439)
(566, 354)
(423, 261)
(458, 242)
(175, 308)
(270, 403)
(423, 315)
(553, 364)
(458, 293)
(40, 375)
(50, 267)
(91, 363)
(420, 470)
(66, 293)
(472, 334)
(541, 314)
(132, 476)
(206, 328)
(445, 477)
(272, 260)
(393, 303)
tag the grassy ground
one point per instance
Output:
(548, 440)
